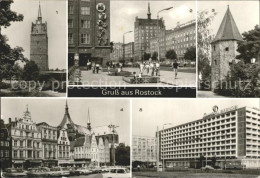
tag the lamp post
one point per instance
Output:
(124, 44)
(163, 155)
(166, 9)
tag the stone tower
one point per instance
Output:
(39, 43)
(224, 49)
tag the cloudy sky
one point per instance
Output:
(123, 15)
(54, 12)
(245, 13)
(102, 112)
(156, 112)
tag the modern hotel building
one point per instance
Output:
(230, 137)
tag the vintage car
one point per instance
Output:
(13, 172)
(117, 172)
(83, 171)
(37, 172)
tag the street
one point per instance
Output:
(88, 176)
(208, 94)
(166, 78)
(191, 175)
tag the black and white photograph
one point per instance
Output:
(33, 48)
(132, 43)
(215, 138)
(79, 138)
(228, 49)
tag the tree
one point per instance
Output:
(122, 155)
(204, 38)
(250, 47)
(31, 71)
(171, 54)
(146, 56)
(155, 55)
(8, 56)
(190, 53)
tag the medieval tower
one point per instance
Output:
(39, 43)
(224, 49)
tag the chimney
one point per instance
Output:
(178, 24)
(10, 120)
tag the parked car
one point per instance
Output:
(96, 170)
(117, 172)
(83, 171)
(13, 172)
(207, 167)
(37, 172)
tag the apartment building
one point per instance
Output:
(144, 149)
(230, 137)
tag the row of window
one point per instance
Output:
(4, 143)
(83, 10)
(83, 24)
(84, 38)
(4, 153)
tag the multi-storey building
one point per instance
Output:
(63, 147)
(26, 142)
(49, 144)
(5, 146)
(180, 38)
(117, 53)
(39, 43)
(145, 29)
(129, 51)
(144, 149)
(89, 31)
(224, 49)
(231, 137)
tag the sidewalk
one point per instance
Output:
(166, 78)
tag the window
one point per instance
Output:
(21, 143)
(15, 153)
(6, 153)
(85, 10)
(215, 62)
(227, 49)
(85, 38)
(70, 23)
(70, 9)
(15, 143)
(85, 24)
(70, 38)
(21, 154)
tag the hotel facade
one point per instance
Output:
(230, 137)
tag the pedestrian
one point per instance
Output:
(141, 67)
(97, 67)
(121, 66)
(94, 67)
(157, 68)
(147, 66)
(152, 68)
(175, 68)
(88, 65)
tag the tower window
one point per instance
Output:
(215, 61)
(227, 49)
(214, 48)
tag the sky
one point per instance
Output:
(54, 12)
(123, 18)
(245, 13)
(157, 112)
(102, 112)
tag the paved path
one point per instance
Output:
(166, 78)
(208, 94)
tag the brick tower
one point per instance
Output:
(224, 49)
(39, 43)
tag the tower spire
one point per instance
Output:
(39, 11)
(66, 107)
(88, 121)
(149, 11)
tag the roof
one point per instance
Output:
(228, 29)
(66, 119)
(79, 142)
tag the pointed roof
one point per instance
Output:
(149, 11)
(88, 121)
(228, 29)
(39, 11)
(66, 118)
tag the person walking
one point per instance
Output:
(175, 68)
(97, 67)
(141, 67)
(147, 66)
(94, 67)
(157, 68)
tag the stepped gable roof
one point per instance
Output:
(228, 29)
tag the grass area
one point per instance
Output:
(22, 94)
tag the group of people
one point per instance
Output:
(111, 65)
(95, 67)
(153, 68)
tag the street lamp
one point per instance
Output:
(124, 44)
(166, 9)
(163, 155)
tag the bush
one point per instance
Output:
(4, 85)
